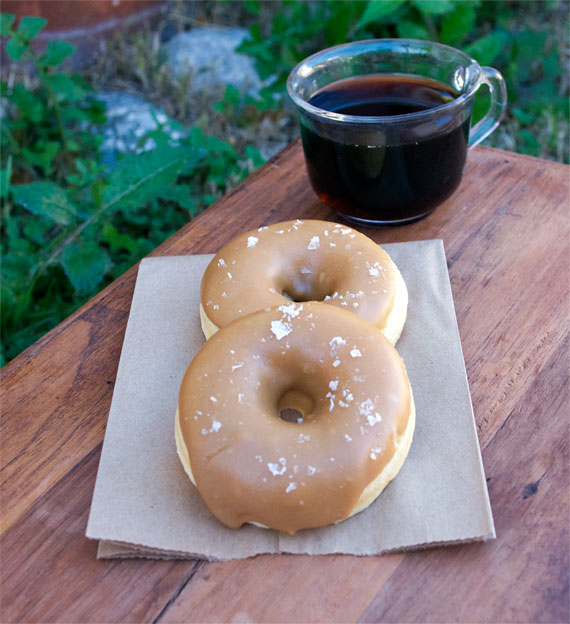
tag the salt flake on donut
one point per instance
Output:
(304, 261)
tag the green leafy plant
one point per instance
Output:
(70, 224)
(529, 59)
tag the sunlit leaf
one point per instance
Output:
(140, 178)
(45, 199)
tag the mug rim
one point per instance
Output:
(387, 119)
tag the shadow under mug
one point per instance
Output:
(393, 169)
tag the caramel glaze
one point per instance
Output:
(299, 261)
(349, 383)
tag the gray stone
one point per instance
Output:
(209, 53)
(271, 148)
(129, 118)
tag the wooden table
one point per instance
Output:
(506, 236)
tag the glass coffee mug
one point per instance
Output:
(386, 124)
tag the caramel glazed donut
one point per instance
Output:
(304, 261)
(351, 388)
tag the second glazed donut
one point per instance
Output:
(304, 261)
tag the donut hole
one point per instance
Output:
(295, 406)
(300, 289)
(290, 414)
(301, 298)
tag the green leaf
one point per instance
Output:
(181, 195)
(254, 155)
(15, 48)
(457, 24)
(29, 27)
(486, 49)
(255, 35)
(50, 151)
(65, 88)
(45, 199)
(56, 52)
(117, 240)
(97, 192)
(197, 137)
(16, 270)
(6, 21)
(338, 24)
(481, 104)
(30, 106)
(528, 54)
(85, 265)
(5, 177)
(523, 116)
(377, 9)
(209, 199)
(280, 24)
(287, 53)
(11, 232)
(252, 6)
(411, 30)
(36, 230)
(96, 111)
(215, 145)
(41, 154)
(232, 95)
(433, 7)
(140, 178)
(531, 143)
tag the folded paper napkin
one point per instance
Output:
(144, 504)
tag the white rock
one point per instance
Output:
(210, 53)
(128, 119)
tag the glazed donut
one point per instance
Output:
(354, 417)
(304, 261)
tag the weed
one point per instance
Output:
(527, 42)
(69, 224)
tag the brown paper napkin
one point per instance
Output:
(144, 505)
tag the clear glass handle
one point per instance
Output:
(482, 129)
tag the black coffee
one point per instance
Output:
(394, 182)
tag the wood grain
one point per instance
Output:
(506, 236)
(523, 575)
(58, 577)
(328, 588)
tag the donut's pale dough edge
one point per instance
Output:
(370, 492)
(374, 488)
(208, 327)
(394, 323)
(399, 312)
